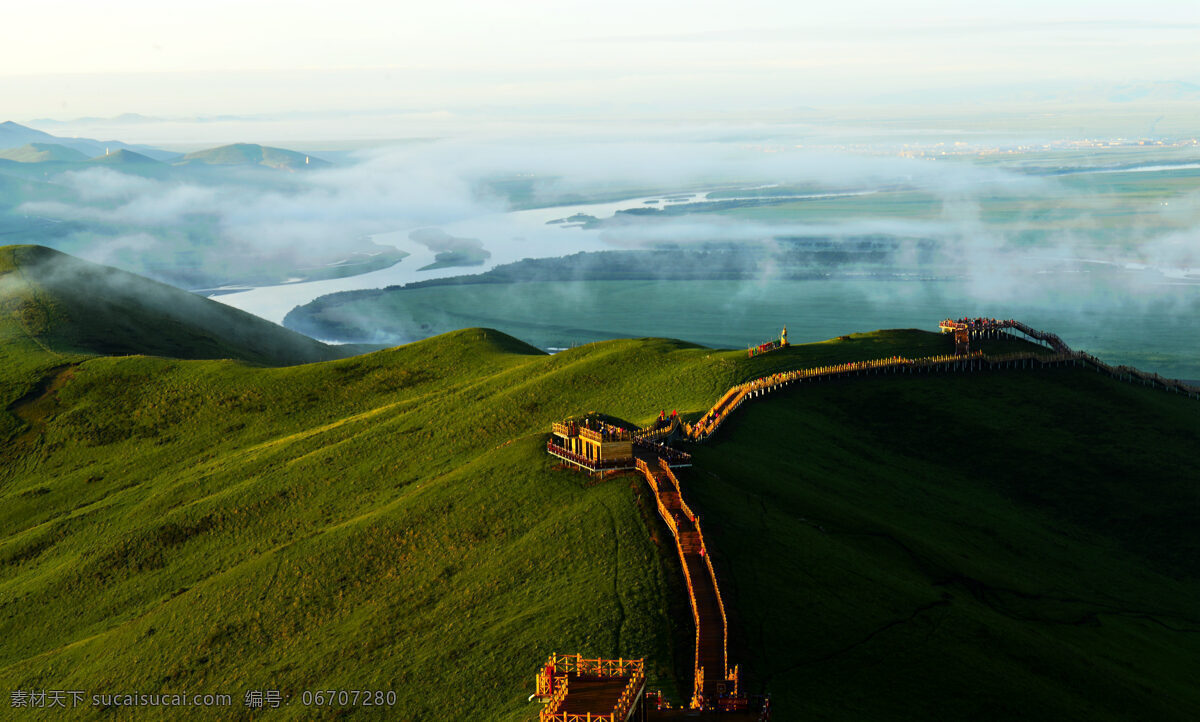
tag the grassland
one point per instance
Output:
(73, 306)
(211, 525)
(391, 521)
(1006, 547)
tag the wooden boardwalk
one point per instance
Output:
(576, 689)
(595, 696)
(713, 679)
(597, 690)
(1058, 354)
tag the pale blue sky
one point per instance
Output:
(69, 58)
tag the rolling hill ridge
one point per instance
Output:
(74, 306)
(904, 548)
(13, 135)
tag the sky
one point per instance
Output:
(67, 59)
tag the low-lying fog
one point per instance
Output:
(996, 223)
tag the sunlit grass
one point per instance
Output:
(391, 520)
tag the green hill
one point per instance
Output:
(1016, 547)
(43, 153)
(252, 154)
(73, 306)
(123, 157)
(895, 548)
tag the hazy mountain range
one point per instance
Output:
(174, 216)
(28, 145)
(13, 135)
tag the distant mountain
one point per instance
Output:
(123, 156)
(252, 154)
(43, 153)
(74, 306)
(124, 118)
(14, 135)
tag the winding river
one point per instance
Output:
(510, 236)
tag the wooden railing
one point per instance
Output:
(698, 671)
(683, 506)
(665, 485)
(629, 696)
(663, 511)
(603, 432)
(739, 394)
(598, 667)
(672, 511)
(1123, 373)
(565, 665)
(724, 620)
(662, 451)
(657, 432)
(592, 464)
(606, 432)
(1130, 374)
(550, 712)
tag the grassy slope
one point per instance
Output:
(76, 306)
(42, 152)
(1013, 546)
(225, 525)
(385, 521)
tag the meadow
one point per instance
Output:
(391, 521)
(1008, 547)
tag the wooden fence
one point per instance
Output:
(672, 507)
(976, 361)
(551, 710)
(575, 664)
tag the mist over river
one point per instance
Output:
(509, 237)
(1124, 313)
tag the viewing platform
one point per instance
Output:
(578, 689)
(966, 329)
(600, 447)
(769, 346)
